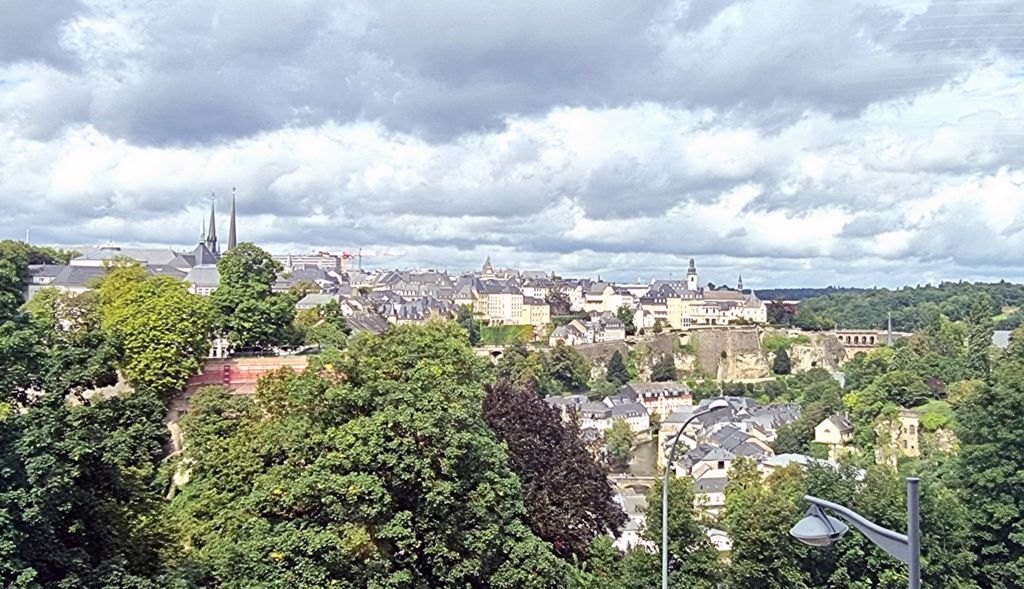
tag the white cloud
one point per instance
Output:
(793, 141)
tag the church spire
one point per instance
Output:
(231, 224)
(211, 233)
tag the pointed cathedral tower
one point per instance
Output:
(211, 232)
(231, 224)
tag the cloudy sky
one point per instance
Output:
(798, 142)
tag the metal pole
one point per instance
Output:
(664, 500)
(664, 517)
(914, 530)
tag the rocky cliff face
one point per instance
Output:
(731, 353)
(824, 351)
(725, 354)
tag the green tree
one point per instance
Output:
(159, 328)
(374, 468)
(758, 515)
(21, 351)
(570, 501)
(617, 371)
(567, 367)
(664, 369)
(979, 338)
(523, 368)
(626, 315)
(693, 561)
(78, 353)
(246, 310)
(464, 317)
(782, 364)
(324, 326)
(619, 440)
(77, 494)
(301, 288)
(991, 463)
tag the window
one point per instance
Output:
(913, 430)
(904, 444)
(721, 465)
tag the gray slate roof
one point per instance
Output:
(626, 410)
(368, 323)
(710, 485)
(78, 276)
(203, 277)
(45, 270)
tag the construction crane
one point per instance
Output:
(360, 254)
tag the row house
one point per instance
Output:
(603, 297)
(503, 303)
(600, 415)
(660, 398)
(603, 328)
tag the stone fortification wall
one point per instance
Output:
(731, 353)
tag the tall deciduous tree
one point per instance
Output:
(758, 515)
(78, 353)
(77, 494)
(569, 500)
(559, 301)
(991, 463)
(523, 368)
(464, 317)
(567, 367)
(619, 441)
(160, 329)
(374, 468)
(246, 309)
(324, 325)
(693, 561)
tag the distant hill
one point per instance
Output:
(799, 294)
(912, 307)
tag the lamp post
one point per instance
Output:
(715, 405)
(818, 528)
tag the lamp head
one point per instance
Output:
(818, 528)
(718, 405)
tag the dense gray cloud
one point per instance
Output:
(795, 141)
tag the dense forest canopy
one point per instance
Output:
(912, 307)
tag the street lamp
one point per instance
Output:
(817, 528)
(716, 405)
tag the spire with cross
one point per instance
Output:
(211, 232)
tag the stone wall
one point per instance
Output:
(238, 375)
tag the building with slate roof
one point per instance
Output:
(683, 305)
(203, 280)
(660, 397)
(77, 278)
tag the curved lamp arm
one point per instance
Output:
(895, 543)
(664, 488)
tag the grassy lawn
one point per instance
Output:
(1007, 311)
(501, 335)
(774, 342)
